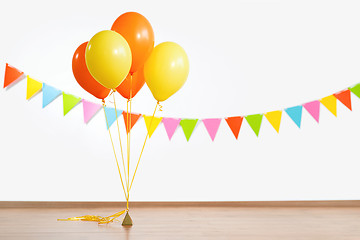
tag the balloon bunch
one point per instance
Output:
(122, 60)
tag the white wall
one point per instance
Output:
(245, 57)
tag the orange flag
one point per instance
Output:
(11, 75)
(134, 118)
(344, 97)
(234, 124)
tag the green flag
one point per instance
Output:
(69, 102)
(355, 90)
(255, 122)
(188, 126)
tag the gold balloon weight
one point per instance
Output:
(127, 220)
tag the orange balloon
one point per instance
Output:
(83, 76)
(130, 87)
(137, 31)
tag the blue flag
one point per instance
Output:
(295, 114)
(49, 94)
(111, 116)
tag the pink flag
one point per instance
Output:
(314, 109)
(170, 125)
(90, 109)
(212, 126)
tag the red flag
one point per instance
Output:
(344, 97)
(134, 118)
(11, 75)
(234, 124)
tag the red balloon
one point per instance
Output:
(130, 87)
(83, 76)
(137, 31)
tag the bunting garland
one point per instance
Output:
(90, 109)
(69, 102)
(151, 123)
(49, 94)
(111, 115)
(314, 109)
(170, 125)
(330, 103)
(295, 113)
(188, 126)
(344, 97)
(355, 90)
(33, 87)
(235, 124)
(133, 119)
(274, 119)
(212, 125)
(255, 122)
(11, 75)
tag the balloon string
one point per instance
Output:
(128, 186)
(94, 218)
(128, 128)
(142, 150)
(112, 143)
(118, 128)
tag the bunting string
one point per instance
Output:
(188, 125)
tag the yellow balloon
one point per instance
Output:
(166, 70)
(108, 58)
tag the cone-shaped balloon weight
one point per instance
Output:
(127, 220)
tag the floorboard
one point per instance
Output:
(251, 223)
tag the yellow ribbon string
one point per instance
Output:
(94, 218)
(128, 146)
(128, 128)
(112, 143)
(142, 150)
(122, 154)
(111, 218)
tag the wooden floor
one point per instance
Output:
(250, 223)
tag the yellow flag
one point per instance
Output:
(274, 119)
(330, 103)
(33, 87)
(154, 123)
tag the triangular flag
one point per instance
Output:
(134, 118)
(49, 94)
(32, 88)
(344, 97)
(295, 114)
(69, 102)
(330, 103)
(188, 126)
(90, 109)
(212, 126)
(234, 124)
(171, 125)
(254, 122)
(111, 116)
(274, 119)
(11, 75)
(151, 123)
(313, 108)
(355, 90)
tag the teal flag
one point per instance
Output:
(49, 94)
(295, 114)
(111, 115)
